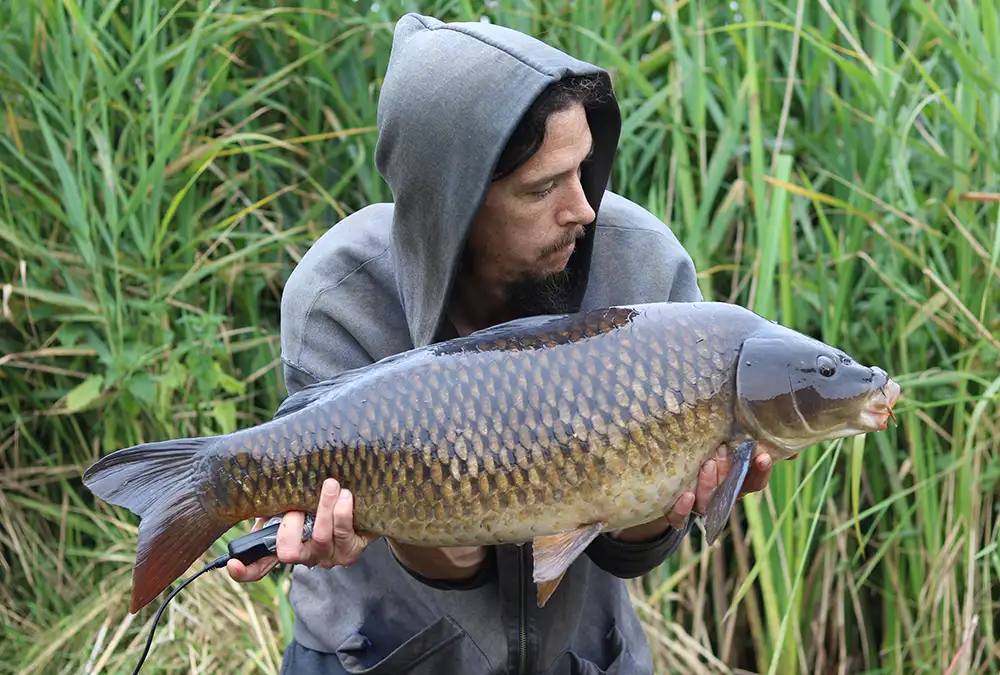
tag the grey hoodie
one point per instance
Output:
(376, 284)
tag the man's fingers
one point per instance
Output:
(260, 568)
(722, 462)
(255, 571)
(237, 570)
(708, 479)
(682, 509)
(289, 539)
(347, 543)
(343, 518)
(322, 534)
(759, 474)
(333, 540)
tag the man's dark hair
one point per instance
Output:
(530, 132)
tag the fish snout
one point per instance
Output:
(892, 391)
(883, 399)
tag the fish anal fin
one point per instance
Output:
(724, 499)
(554, 553)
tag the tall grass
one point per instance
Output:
(831, 164)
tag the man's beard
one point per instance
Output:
(540, 294)
(533, 293)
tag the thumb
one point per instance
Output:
(348, 543)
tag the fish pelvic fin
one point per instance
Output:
(160, 483)
(554, 553)
(724, 498)
(545, 589)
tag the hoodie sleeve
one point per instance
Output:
(629, 559)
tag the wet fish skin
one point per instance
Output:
(548, 429)
(497, 440)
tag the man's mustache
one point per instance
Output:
(564, 242)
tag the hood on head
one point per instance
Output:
(452, 96)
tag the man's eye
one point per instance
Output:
(545, 190)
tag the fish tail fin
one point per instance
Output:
(160, 483)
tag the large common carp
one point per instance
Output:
(547, 430)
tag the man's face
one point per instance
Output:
(526, 229)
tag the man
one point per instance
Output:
(498, 150)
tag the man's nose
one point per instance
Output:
(576, 210)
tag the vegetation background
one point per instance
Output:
(832, 164)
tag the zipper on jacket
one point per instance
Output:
(522, 627)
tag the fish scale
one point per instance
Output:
(547, 430)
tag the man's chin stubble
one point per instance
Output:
(532, 294)
(540, 294)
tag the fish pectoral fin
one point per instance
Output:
(725, 495)
(554, 553)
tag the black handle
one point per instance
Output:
(264, 542)
(256, 545)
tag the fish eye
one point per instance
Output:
(826, 366)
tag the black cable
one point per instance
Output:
(247, 549)
(215, 564)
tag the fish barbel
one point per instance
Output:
(547, 430)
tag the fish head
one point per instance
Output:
(794, 391)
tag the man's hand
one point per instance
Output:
(712, 473)
(334, 541)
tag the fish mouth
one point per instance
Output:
(875, 416)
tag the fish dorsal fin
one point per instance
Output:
(311, 393)
(530, 322)
(534, 332)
